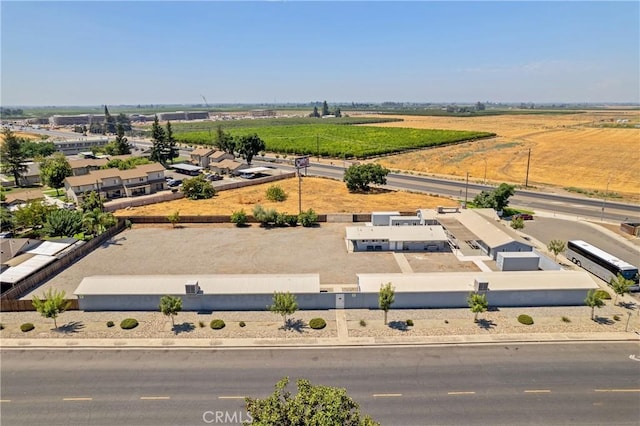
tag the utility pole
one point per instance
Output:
(318, 147)
(526, 181)
(466, 191)
(604, 198)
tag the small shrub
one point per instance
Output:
(242, 324)
(281, 219)
(308, 218)
(110, 324)
(446, 321)
(616, 317)
(1, 326)
(128, 323)
(239, 218)
(603, 294)
(201, 324)
(217, 324)
(409, 323)
(292, 219)
(27, 326)
(566, 319)
(276, 193)
(525, 319)
(317, 323)
(363, 323)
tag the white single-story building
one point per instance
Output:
(384, 238)
(215, 292)
(451, 289)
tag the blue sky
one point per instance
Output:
(147, 52)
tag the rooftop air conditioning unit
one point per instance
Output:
(192, 287)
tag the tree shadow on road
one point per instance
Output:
(70, 327)
(629, 305)
(185, 327)
(113, 242)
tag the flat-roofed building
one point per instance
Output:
(198, 292)
(396, 238)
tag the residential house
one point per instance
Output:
(114, 183)
(227, 166)
(200, 156)
(16, 198)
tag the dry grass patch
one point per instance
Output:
(566, 151)
(321, 195)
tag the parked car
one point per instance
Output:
(523, 216)
(174, 182)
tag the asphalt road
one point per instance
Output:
(578, 206)
(580, 384)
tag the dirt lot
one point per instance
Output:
(223, 249)
(321, 195)
(566, 150)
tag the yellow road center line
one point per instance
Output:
(386, 395)
(537, 391)
(231, 397)
(616, 390)
(155, 397)
(84, 398)
(5, 400)
(460, 393)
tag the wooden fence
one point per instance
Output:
(14, 305)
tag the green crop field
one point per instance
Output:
(183, 127)
(332, 140)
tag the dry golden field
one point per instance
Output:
(321, 195)
(566, 151)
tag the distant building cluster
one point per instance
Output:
(87, 119)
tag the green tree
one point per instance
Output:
(54, 170)
(264, 216)
(497, 199)
(109, 122)
(51, 305)
(325, 108)
(96, 221)
(11, 156)
(124, 121)
(477, 303)
(170, 306)
(198, 188)
(121, 144)
(158, 137)
(33, 215)
(224, 141)
(7, 220)
(594, 300)
(556, 247)
(171, 150)
(315, 113)
(63, 223)
(284, 304)
(91, 201)
(386, 297)
(620, 286)
(174, 218)
(250, 145)
(517, 223)
(37, 149)
(313, 405)
(358, 177)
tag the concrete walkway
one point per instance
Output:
(340, 341)
(403, 263)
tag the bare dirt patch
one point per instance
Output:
(566, 151)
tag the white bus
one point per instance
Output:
(600, 263)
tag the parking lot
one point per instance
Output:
(224, 249)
